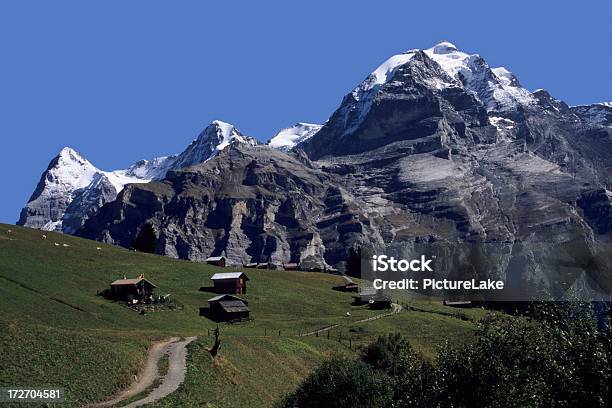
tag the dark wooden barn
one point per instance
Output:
(230, 282)
(290, 266)
(129, 289)
(380, 302)
(216, 260)
(229, 308)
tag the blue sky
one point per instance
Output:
(125, 80)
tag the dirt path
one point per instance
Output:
(177, 353)
(395, 309)
(321, 330)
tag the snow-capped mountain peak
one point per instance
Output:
(292, 136)
(444, 47)
(229, 134)
(69, 170)
(71, 189)
(214, 138)
(450, 58)
(68, 153)
(69, 179)
(497, 88)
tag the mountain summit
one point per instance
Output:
(72, 189)
(214, 138)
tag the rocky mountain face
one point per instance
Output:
(249, 203)
(72, 189)
(597, 113)
(433, 146)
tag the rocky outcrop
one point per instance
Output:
(596, 113)
(249, 202)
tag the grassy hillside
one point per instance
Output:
(56, 330)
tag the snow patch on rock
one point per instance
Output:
(288, 138)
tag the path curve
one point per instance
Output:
(395, 309)
(145, 378)
(321, 330)
(177, 353)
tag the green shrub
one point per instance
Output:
(343, 383)
(554, 358)
(557, 358)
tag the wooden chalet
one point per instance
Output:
(380, 302)
(229, 308)
(230, 282)
(263, 265)
(216, 260)
(129, 289)
(369, 295)
(250, 265)
(369, 292)
(290, 266)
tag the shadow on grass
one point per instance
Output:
(209, 289)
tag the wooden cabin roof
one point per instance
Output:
(214, 258)
(232, 306)
(368, 291)
(135, 281)
(231, 303)
(229, 275)
(226, 298)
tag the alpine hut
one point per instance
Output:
(129, 289)
(216, 260)
(230, 282)
(229, 307)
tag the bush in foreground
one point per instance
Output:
(343, 383)
(556, 357)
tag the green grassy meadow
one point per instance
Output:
(55, 330)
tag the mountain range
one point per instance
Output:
(433, 146)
